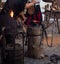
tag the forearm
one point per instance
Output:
(28, 5)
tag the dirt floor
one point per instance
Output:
(50, 46)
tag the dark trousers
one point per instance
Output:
(10, 39)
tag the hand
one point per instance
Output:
(24, 19)
(34, 21)
(23, 16)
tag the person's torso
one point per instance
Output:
(35, 16)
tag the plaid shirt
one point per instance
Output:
(36, 16)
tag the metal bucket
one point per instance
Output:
(34, 36)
